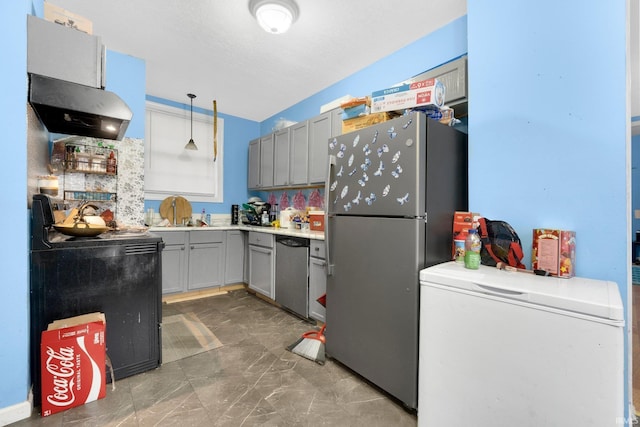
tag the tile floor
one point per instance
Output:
(252, 380)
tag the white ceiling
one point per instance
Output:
(216, 50)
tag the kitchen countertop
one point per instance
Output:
(308, 234)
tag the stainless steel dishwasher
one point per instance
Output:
(292, 274)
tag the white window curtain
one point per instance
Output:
(172, 170)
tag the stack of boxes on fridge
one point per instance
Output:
(426, 95)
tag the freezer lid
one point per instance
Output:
(591, 297)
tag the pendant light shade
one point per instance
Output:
(191, 145)
(274, 16)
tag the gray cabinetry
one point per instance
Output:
(294, 156)
(299, 148)
(453, 75)
(234, 257)
(253, 180)
(206, 259)
(192, 260)
(317, 280)
(174, 261)
(262, 263)
(64, 53)
(266, 161)
(321, 128)
(281, 157)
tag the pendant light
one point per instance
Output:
(191, 145)
(274, 16)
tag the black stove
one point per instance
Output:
(118, 274)
(44, 236)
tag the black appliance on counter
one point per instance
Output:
(118, 274)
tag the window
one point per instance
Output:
(169, 168)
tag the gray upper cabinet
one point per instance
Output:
(281, 158)
(254, 164)
(64, 53)
(266, 161)
(453, 75)
(299, 146)
(295, 156)
(319, 133)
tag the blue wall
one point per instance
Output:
(540, 153)
(237, 134)
(14, 254)
(435, 49)
(126, 76)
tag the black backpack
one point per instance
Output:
(500, 243)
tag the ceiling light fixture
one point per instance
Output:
(191, 145)
(274, 16)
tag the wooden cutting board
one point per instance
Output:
(183, 209)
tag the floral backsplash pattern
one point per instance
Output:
(128, 184)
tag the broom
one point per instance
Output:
(310, 346)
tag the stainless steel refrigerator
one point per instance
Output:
(391, 192)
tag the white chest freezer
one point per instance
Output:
(500, 348)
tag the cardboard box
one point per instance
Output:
(358, 123)
(53, 13)
(316, 220)
(425, 93)
(462, 222)
(355, 111)
(72, 358)
(554, 251)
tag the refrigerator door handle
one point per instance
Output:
(327, 184)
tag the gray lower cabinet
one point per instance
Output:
(206, 259)
(192, 260)
(317, 280)
(174, 261)
(262, 263)
(234, 257)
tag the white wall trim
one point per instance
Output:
(16, 412)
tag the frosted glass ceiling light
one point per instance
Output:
(274, 16)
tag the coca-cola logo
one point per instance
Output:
(61, 365)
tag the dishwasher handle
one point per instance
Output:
(293, 242)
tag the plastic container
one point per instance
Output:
(316, 220)
(472, 246)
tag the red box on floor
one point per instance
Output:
(554, 251)
(72, 357)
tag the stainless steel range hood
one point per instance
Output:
(74, 109)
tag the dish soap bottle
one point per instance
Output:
(472, 245)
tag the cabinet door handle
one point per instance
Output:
(182, 248)
(193, 247)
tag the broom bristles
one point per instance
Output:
(309, 348)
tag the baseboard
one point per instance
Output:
(187, 296)
(17, 412)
